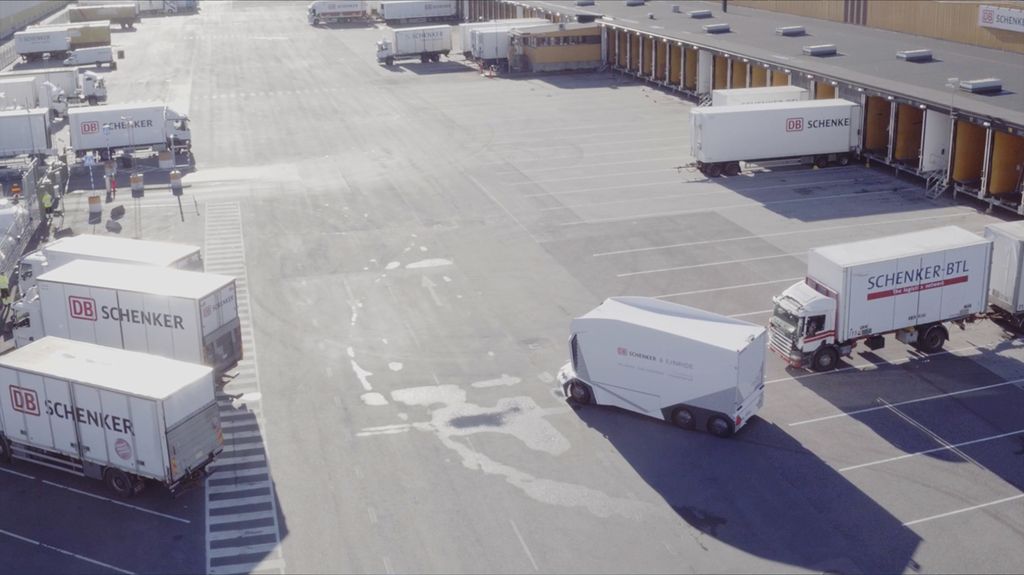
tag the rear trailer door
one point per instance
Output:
(193, 442)
(221, 329)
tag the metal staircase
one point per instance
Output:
(936, 184)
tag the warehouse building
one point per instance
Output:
(559, 47)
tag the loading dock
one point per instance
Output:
(876, 126)
(648, 61)
(705, 72)
(738, 74)
(690, 71)
(909, 125)
(824, 91)
(675, 60)
(622, 48)
(611, 46)
(634, 53)
(1007, 165)
(935, 146)
(720, 67)
(968, 153)
(758, 77)
(780, 78)
(661, 49)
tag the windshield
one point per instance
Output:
(785, 319)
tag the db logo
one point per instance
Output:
(90, 127)
(988, 16)
(123, 449)
(82, 307)
(794, 124)
(24, 400)
(623, 351)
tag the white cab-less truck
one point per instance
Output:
(26, 92)
(25, 132)
(428, 43)
(190, 316)
(324, 11)
(910, 285)
(693, 368)
(33, 44)
(396, 11)
(818, 131)
(130, 127)
(119, 416)
(95, 55)
(77, 86)
(765, 95)
(105, 249)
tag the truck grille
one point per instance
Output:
(779, 342)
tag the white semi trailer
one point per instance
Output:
(765, 95)
(466, 30)
(76, 85)
(396, 11)
(912, 285)
(324, 11)
(693, 368)
(123, 417)
(818, 131)
(26, 92)
(105, 249)
(428, 43)
(34, 44)
(129, 127)
(25, 132)
(190, 316)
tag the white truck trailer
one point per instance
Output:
(129, 127)
(491, 43)
(466, 30)
(818, 131)
(34, 44)
(124, 15)
(397, 11)
(25, 132)
(1006, 283)
(428, 43)
(88, 56)
(693, 368)
(190, 316)
(105, 249)
(27, 92)
(77, 85)
(119, 416)
(765, 95)
(910, 285)
(324, 11)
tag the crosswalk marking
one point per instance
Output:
(240, 491)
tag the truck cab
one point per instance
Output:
(28, 315)
(94, 87)
(29, 268)
(178, 129)
(385, 52)
(802, 328)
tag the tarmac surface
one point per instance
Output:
(411, 245)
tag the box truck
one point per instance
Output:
(491, 43)
(191, 316)
(396, 11)
(466, 30)
(34, 44)
(765, 95)
(105, 249)
(80, 35)
(87, 56)
(123, 15)
(910, 285)
(337, 11)
(690, 367)
(25, 132)
(128, 127)
(77, 85)
(122, 417)
(27, 92)
(428, 43)
(818, 131)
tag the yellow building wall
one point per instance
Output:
(577, 53)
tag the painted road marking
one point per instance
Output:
(25, 475)
(65, 552)
(116, 502)
(523, 543)
(710, 264)
(935, 437)
(570, 167)
(605, 188)
(926, 451)
(591, 177)
(964, 510)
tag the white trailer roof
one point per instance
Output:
(900, 246)
(84, 110)
(130, 372)
(753, 108)
(689, 322)
(1014, 230)
(142, 279)
(156, 253)
(23, 113)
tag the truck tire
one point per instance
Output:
(5, 450)
(389, 61)
(931, 339)
(844, 159)
(683, 418)
(732, 169)
(316, 21)
(435, 58)
(580, 392)
(825, 359)
(821, 161)
(424, 58)
(119, 482)
(714, 170)
(92, 100)
(719, 426)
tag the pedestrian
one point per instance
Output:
(113, 187)
(47, 203)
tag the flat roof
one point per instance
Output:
(134, 278)
(126, 249)
(899, 246)
(867, 56)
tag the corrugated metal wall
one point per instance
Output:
(954, 21)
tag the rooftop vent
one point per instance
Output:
(983, 86)
(790, 31)
(716, 28)
(677, 9)
(820, 50)
(699, 13)
(634, 2)
(915, 55)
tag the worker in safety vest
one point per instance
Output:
(15, 192)
(5, 288)
(47, 200)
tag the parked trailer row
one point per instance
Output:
(399, 11)
(333, 11)
(124, 15)
(76, 85)
(29, 92)
(55, 41)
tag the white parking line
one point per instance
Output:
(923, 429)
(926, 451)
(632, 149)
(116, 502)
(522, 542)
(602, 189)
(65, 552)
(732, 287)
(710, 264)
(25, 475)
(591, 177)
(905, 402)
(786, 233)
(598, 135)
(964, 510)
(574, 166)
(614, 142)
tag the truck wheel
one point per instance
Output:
(119, 482)
(92, 100)
(844, 159)
(580, 392)
(682, 417)
(732, 169)
(389, 61)
(821, 161)
(316, 21)
(719, 426)
(435, 58)
(423, 58)
(932, 339)
(714, 170)
(5, 450)
(825, 359)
